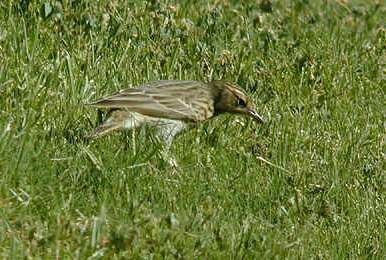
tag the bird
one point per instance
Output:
(170, 106)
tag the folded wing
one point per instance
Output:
(175, 99)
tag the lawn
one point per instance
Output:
(310, 183)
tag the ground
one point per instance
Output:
(310, 183)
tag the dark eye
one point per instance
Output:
(241, 103)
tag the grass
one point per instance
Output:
(309, 184)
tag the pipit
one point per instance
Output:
(172, 105)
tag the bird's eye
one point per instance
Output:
(241, 103)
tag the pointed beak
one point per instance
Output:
(256, 116)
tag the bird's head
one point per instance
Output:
(232, 99)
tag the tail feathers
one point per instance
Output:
(104, 129)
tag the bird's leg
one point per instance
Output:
(166, 131)
(165, 151)
(169, 158)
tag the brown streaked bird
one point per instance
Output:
(170, 105)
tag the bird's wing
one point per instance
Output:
(174, 99)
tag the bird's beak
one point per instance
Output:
(256, 116)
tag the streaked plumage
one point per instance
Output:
(170, 105)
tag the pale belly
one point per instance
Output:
(166, 129)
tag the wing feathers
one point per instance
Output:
(182, 100)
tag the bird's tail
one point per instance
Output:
(104, 129)
(107, 124)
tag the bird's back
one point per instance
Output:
(172, 99)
